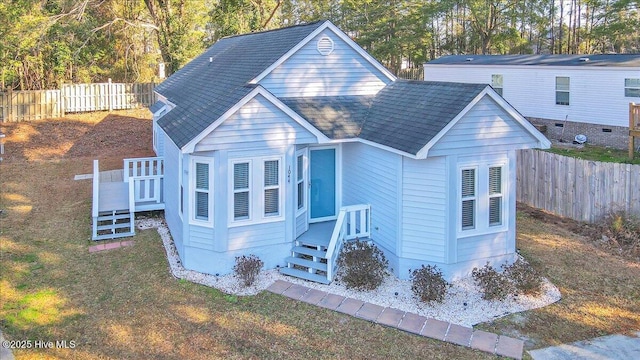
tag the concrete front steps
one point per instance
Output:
(406, 321)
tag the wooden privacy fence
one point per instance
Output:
(44, 104)
(582, 190)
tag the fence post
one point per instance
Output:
(109, 94)
(10, 104)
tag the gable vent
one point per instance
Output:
(325, 46)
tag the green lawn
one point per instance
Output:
(597, 153)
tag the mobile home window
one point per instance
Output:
(496, 83)
(562, 90)
(632, 87)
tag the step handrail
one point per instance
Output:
(347, 227)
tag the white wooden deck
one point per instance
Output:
(318, 233)
(114, 194)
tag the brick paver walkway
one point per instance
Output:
(109, 246)
(406, 321)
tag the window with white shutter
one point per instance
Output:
(482, 197)
(468, 207)
(201, 190)
(241, 190)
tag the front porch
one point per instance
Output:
(314, 255)
(119, 194)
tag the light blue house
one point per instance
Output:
(286, 143)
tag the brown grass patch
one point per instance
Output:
(124, 304)
(600, 290)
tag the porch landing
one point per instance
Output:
(318, 234)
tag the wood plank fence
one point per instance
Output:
(46, 104)
(582, 190)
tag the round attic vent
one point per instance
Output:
(325, 46)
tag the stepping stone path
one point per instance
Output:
(406, 321)
(109, 246)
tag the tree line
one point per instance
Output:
(46, 42)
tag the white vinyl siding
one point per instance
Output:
(424, 209)
(563, 85)
(486, 126)
(309, 73)
(257, 124)
(201, 190)
(597, 92)
(497, 83)
(632, 87)
(371, 176)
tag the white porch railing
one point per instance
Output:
(140, 167)
(144, 176)
(353, 222)
(96, 196)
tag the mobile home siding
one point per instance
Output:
(172, 191)
(308, 73)
(370, 176)
(596, 94)
(485, 126)
(424, 220)
(258, 123)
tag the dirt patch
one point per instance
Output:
(125, 133)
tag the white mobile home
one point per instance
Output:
(570, 94)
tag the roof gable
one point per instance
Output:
(212, 83)
(406, 115)
(326, 26)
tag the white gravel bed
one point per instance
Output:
(463, 303)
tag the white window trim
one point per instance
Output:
(256, 191)
(495, 87)
(555, 93)
(233, 191)
(305, 181)
(192, 190)
(481, 211)
(630, 87)
(180, 188)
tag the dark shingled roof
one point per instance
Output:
(156, 106)
(203, 90)
(337, 117)
(406, 115)
(613, 60)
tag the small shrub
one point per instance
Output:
(362, 265)
(428, 284)
(494, 285)
(524, 277)
(247, 268)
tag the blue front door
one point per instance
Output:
(322, 197)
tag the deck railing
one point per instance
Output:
(353, 222)
(96, 195)
(139, 167)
